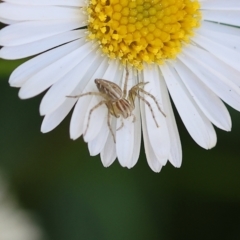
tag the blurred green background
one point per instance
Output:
(76, 198)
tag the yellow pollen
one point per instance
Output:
(138, 31)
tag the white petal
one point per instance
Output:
(28, 69)
(30, 49)
(52, 73)
(213, 77)
(194, 120)
(78, 117)
(27, 32)
(231, 17)
(226, 40)
(217, 27)
(97, 144)
(230, 74)
(96, 120)
(108, 154)
(31, 13)
(55, 118)
(208, 102)
(99, 69)
(221, 5)
(112, 73)
(7, 21)
(74, 3)
(227, 55)
(175, 156)
(124, 142)
(82, 73)
(137, 131)
(137, 136)
(152, 160)
(158, 136)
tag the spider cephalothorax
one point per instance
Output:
(120, 103)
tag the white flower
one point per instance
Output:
(15, 223)
(184, 47)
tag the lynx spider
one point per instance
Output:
(119, 102)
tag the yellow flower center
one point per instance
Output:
(138, 31)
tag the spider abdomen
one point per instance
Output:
(122, 108)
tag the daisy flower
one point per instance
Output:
(188, 50)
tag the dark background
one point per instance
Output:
(76, 198)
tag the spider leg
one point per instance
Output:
(134, 118)
(86, 94)
(110, 127)
(133, 92)
(153, 98)
(90, 113)
(149, 105)
(122, 124)
(139, 86)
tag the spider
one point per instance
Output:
(120, 103)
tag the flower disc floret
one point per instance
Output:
(137, 31)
